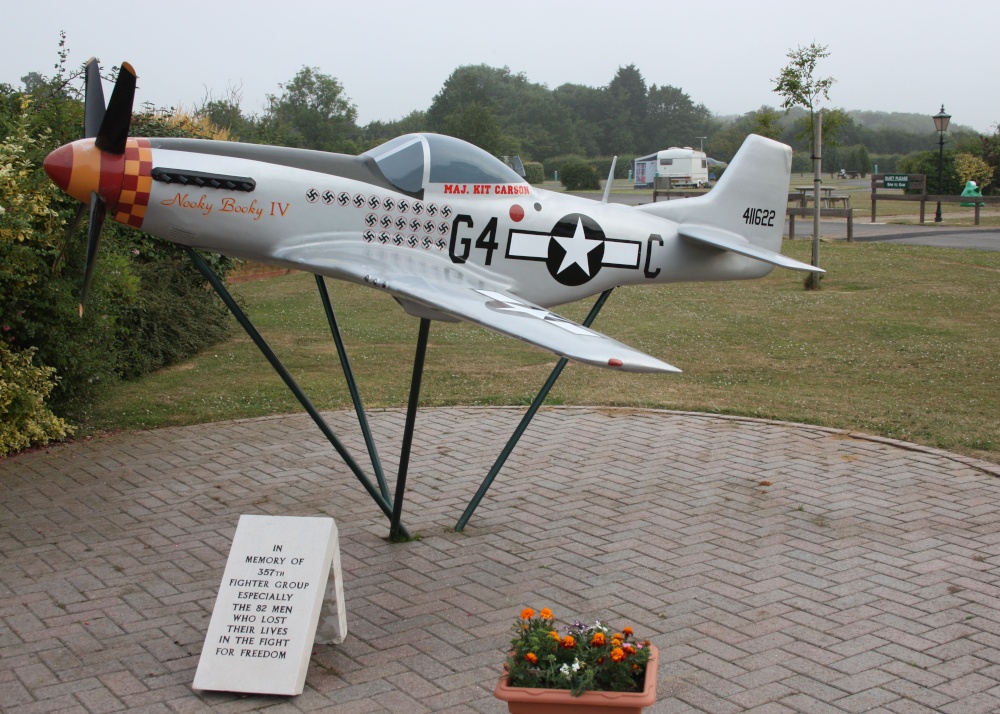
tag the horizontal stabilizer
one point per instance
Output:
(734, 243)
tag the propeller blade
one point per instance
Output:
(97, 213)
(113, 134)
(73, 225)
(93, 103)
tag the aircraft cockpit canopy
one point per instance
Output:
(410, 161)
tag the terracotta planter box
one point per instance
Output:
(527, 700)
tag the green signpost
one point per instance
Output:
(896, 181)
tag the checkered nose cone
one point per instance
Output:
(122, 181)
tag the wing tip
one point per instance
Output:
(654, 367)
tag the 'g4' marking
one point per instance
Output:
(487, 240)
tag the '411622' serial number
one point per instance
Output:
(758, 217)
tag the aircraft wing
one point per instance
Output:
(442, 288)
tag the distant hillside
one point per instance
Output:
(909, 122)
(905, 121)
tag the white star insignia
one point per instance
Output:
(577, 248)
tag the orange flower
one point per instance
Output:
(617, 654)
(531, 657)
(598, 639)
(555, 635)
(568, 642)
(545, 614)
(618, 636)
(527, 613)
(627, 631)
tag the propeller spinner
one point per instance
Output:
(91, 169)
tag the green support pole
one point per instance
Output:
(290, 382)
(411, 418)
(352, 386)
(526, 420)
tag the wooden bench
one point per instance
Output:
(847, 213)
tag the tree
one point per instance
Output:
(379, 132)
(526, 115)
(672, 119)
(796, 83)
(311, 113)
(727, 140)
(477, 124)
(628, 107)
(799, 87)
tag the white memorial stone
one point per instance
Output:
(269, 604)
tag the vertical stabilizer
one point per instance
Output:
(748, 201)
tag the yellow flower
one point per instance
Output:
(527, 613)
(545, 614)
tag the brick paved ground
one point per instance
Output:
(778, 568)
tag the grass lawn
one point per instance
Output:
(902, 341)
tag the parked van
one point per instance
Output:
(683, 166)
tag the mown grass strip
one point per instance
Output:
(901, 341)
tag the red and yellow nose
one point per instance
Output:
(122, 181)
(81, 168)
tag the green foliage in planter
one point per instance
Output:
(579, 658)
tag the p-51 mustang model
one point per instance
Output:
(448, 230)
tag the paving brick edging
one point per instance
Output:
(972, 462)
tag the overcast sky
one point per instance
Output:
(392, 57)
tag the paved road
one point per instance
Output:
(779, 568)
(983, 238)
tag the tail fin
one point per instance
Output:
(745, 212)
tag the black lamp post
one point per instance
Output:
(941, 120)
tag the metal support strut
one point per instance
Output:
(352, 386)
(526, 420)
(392, 508)
(272, 358)
(411, 419)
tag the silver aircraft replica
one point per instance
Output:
(451, 232)
(447, 229)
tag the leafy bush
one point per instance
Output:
(147, 305)
(580, 176)
(973, 168)
(602, 165)
(24, 419)
(558, 163)
(926, 162)
(534, 172)
(171, 318)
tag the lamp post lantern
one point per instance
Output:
(941, 120)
